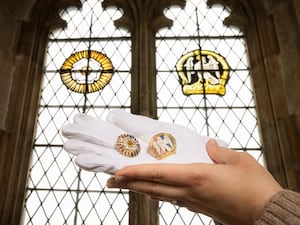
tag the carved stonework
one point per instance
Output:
(262, 35)
(241, 13)
(143, 19)
(55, 21)
(148, 11)
(23, 40)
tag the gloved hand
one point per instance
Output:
(93, 141)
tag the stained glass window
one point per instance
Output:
(58, 192)
(230, 117)
(86, 71)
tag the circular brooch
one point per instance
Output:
(128, 145)
(86, 71)
(162, 145)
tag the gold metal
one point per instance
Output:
(128, 145)
(203, 72)
(86, 71)
(162, 145)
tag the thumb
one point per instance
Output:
(220, 155)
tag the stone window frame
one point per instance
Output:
(279, 135)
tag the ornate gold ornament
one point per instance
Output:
(128, 145)
(162, 145)
(86, 71)
(203, 71)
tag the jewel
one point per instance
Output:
(128, 145)
(162, 145)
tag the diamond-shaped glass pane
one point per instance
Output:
(58, 192)
(231, 117)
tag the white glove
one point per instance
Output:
(93, 141)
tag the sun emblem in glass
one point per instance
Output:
(203, 71)
(86, 71)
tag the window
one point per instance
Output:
(58, 192)
(231, 117)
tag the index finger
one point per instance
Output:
(172, 174)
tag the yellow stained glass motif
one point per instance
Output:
(203, 71)
(86, 71)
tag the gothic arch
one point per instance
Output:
(279, 137)
(279, 134)
(31, 30)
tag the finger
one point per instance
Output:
(222, 143)
(158, 195)
(219, 154)
(150, 188)
(146, 125)
(175, 202)
(171, 174)
(95, 163)
(104, 134)
(128, 122)
(84, 119)
(77, 147)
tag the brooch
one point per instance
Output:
(162, 145)
(128, 145)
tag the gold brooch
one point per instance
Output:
(162, 145)
(128, 145)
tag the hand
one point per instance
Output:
(93, 141)
(233, 191)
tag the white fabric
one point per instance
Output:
(93, 141)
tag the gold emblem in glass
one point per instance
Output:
(86, 71)
(203, 71)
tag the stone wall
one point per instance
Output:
(8, 30)
(21, 54)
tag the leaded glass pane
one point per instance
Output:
(231, 117)
(58, 192)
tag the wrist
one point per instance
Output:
(265, 202)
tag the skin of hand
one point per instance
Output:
(233, 191)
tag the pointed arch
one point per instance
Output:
(16, 141)
(279, 136)
(31, 26)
